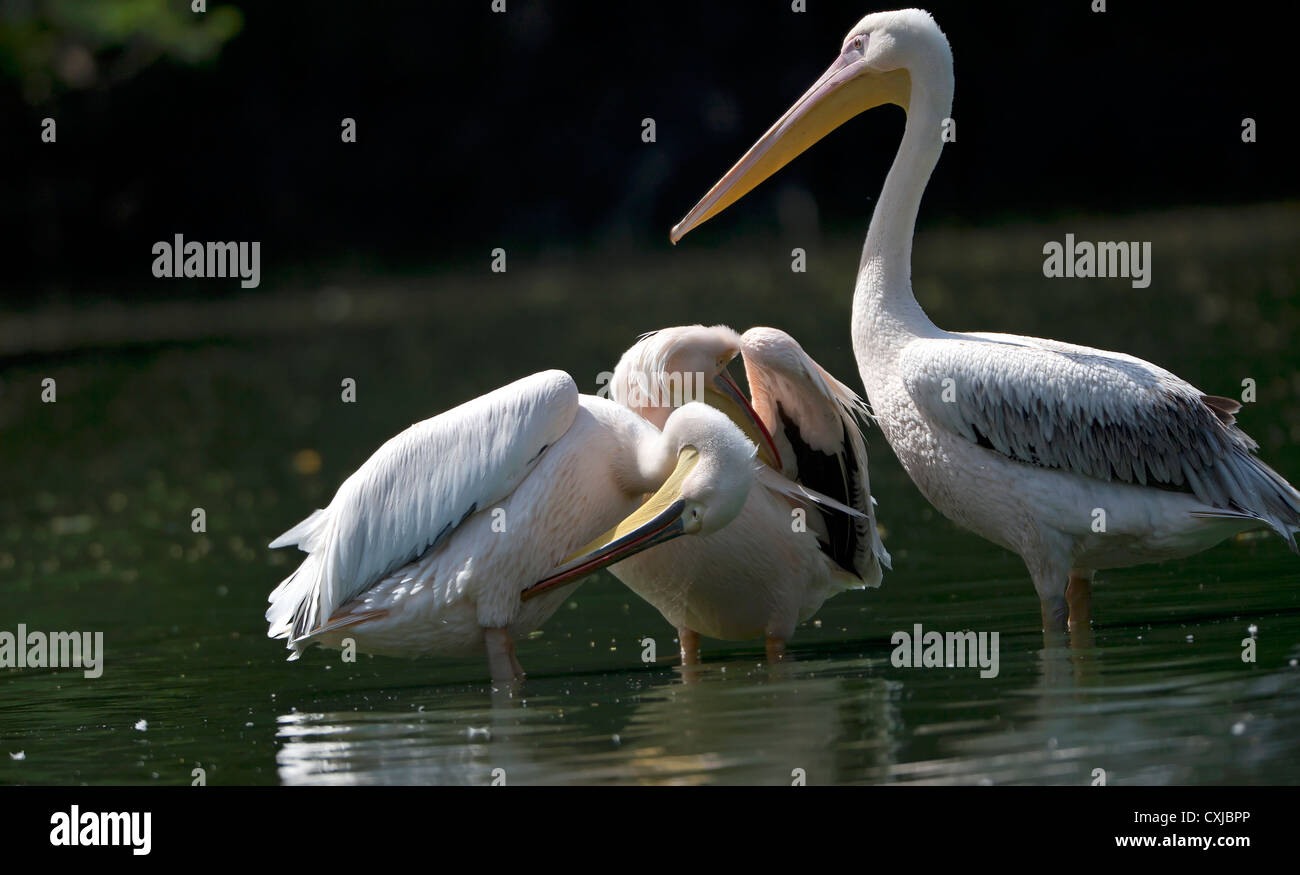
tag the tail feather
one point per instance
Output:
(1257, 493)
(293, 602)
(1280, 501)
(306, 535)
(291, 598)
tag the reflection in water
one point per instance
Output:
(1055, 715)
(250, 429)
(740, 724)
(1109, 715)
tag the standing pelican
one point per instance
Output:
(429, 547)
(1035, 441)
(787, 551)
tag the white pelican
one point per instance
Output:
(1036, 444)
(772, 567)
(428, 547)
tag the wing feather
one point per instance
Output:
(819, 419)
(1099, 414)
(414, 491)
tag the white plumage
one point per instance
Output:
(493, 441)
(1075, 458)
(1104, 415)
(790, 549)
(428, 546)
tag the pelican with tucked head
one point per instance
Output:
(459, 534)
(807, 530)
(1022, 440)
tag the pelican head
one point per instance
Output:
(707, 467)
(667, 368)
(882, 59)
(714, 488)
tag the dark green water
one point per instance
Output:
(98, 491)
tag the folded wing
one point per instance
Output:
(410, 496)
(1098, 414)
(815, 419)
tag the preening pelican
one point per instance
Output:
(430, 546)
(789, 549)
(1036, 440)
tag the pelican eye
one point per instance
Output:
(859, 43)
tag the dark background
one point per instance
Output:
(523, 130)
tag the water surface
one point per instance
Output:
(233, 405)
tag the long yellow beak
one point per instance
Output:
(847, 88)
(658, 520)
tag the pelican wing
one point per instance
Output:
(815, 418)
(414, 491)
(1099, 414)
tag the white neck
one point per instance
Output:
(885, 312)
(655, 458)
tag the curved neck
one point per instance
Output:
(655, 458)
(884, 308)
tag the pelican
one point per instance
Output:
(1077, 459)
(789, 550)
(456, 536)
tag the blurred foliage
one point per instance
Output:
(53, 45)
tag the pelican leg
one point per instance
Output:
(1050, 577)
(501, 655)
(775, 649)
(1056, 614)
(689, 641)
(1079, 596)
